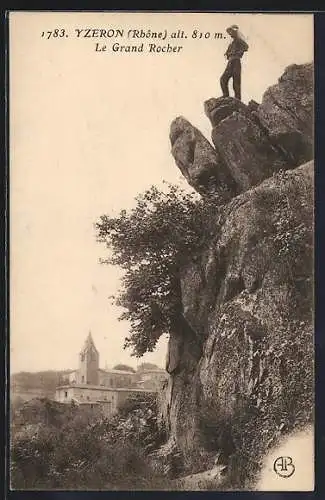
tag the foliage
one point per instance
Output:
(137, 422)
(42, 411)
(142, 401)
(88, 453)
(16, 402)
(125, 368)
(150, 243)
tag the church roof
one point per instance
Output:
(89, 342)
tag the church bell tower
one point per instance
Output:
(88, 363)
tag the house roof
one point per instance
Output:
(102, 388)
(154, 370)
(117, 372)
(87, 403)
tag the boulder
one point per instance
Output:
(222, 107)
(206, 480)
(198, 161)
(287, 110)
(246, 150)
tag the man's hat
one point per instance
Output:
(233, 27)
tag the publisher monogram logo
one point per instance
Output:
(284, 467)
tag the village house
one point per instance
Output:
(105, 390)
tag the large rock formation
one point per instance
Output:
(242, 364)
(251, 142)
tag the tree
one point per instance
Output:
(125, 368)
(151, 243)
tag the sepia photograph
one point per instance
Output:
(161, 251)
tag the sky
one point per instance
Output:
(89, 131)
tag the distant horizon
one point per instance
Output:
(74, 369)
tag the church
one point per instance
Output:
(105, 390)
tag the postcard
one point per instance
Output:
(161, 251)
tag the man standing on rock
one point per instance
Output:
(234, 54)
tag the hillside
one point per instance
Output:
(45, 381)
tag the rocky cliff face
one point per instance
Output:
(241, 367)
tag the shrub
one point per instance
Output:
(84, 453)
